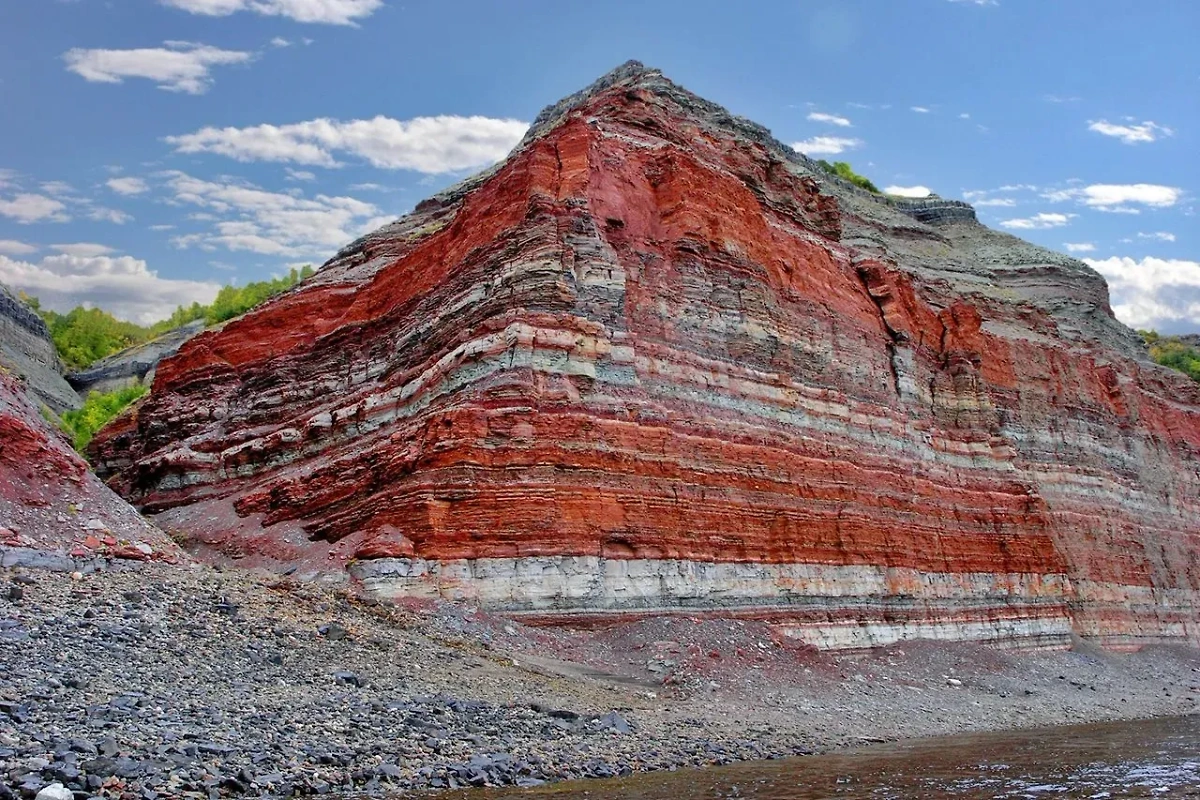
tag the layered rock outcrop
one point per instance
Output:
(26, 349)
(132, 365)
(657, 360)
(53, 511)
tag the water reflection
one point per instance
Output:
(1156, 758)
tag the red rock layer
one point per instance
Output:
(51, 502)
(642, 339)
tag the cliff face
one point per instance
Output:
(657, 360)
(26, 349)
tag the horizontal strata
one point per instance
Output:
(827, 606)
(653, 363)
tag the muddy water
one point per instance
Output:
(1157, 758)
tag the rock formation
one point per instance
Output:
(53, 511)
(133, 364)
(656, 360)
(26, 349)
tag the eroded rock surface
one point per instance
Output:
(657, 360)
(26, 349)
(54, 513)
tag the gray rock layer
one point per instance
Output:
(26, 349)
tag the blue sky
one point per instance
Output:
(153, 150)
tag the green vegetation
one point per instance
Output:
(83, 336)
(233, 301)
(846, 173)
(97, 411)
(1170, 351)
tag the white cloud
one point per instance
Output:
(60, 189)
(247, 218)
(113, 215)
(127, 186)
(1158, 236)
(299, 175)
(1152, 292)
(14, 248)
(920, 109)
(996, 202)
(908, 191)
(1081, 247)
(1114, 197)
(1131, 133)
(177, 67)
(1060, 99)
(122, 285)
(425, 144)
(162, 227)
(826, 145)
(279, 41)
(964, 115)
(330, 12)
(27, 208)
(83, 249)
(1038, 222)
(831, 119)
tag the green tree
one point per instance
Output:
(1173, 352)
(97, 411)
(83, 336)
(844, 171)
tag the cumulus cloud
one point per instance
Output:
(122, 284)
(113, 215)
(176, 67)
(26, 208)
(1131, 133)
(58, 189)
(1117, 197)
(14, 248)
(831, 119)
(1158, 236)
(908, 191)
(329, 12)
(1038, 222)
(83, 249)
(920, 109)
(996, 202)
(1163, 294)
(127, 186)
(826, 145)
(299, 175)
(1080, 247)
(248, 218)
(430, 145)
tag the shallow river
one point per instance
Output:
(1158, 758)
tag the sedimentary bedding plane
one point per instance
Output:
(656, 360)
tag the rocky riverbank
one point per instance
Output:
(187, 681)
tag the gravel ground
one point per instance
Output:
(146, 681)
